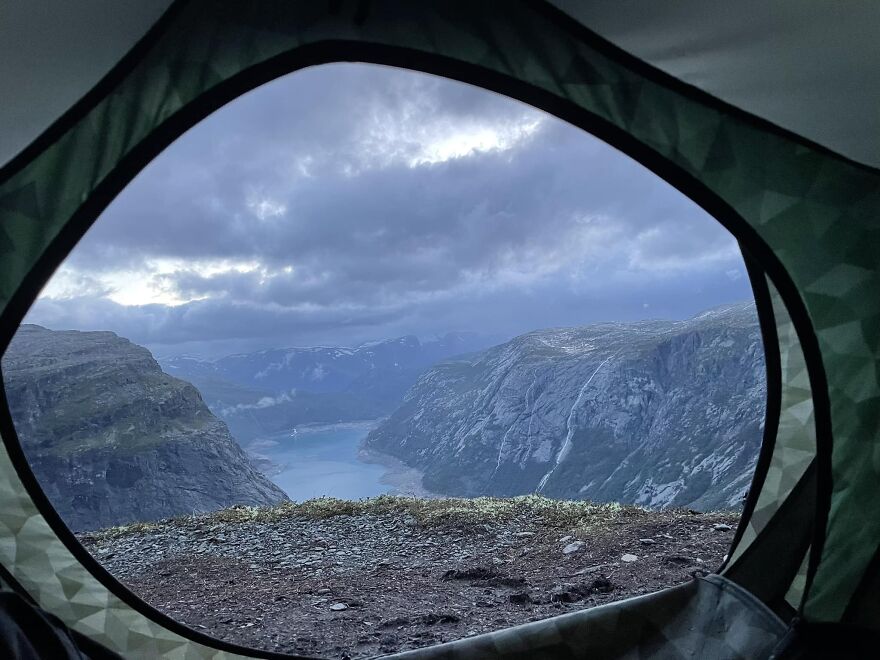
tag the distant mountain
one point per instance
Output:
(112, 439)
(273, 390)
(657, 413)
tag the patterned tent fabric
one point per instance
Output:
(791, 468)
(809, 218)
(56, 580)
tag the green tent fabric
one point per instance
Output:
(708, 618)
(803, 199)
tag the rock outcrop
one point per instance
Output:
(112, 439)
(656, 413)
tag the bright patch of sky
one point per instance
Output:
(456, 142)
(151, 284)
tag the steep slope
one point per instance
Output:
(656, 413)
(273, 390)
(112, 439)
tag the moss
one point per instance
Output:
(84, 421)
(459, 512)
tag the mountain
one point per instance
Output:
(112, 439)
(273, 390)
(658, 413)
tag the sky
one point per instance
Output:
(353, 202)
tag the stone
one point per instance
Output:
(574, 546)
(590, 569)
(629, 558)
(338, 607)
(721, 527)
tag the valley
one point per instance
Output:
(654, 413)
(272, 391)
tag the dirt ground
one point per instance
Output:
(337, 579)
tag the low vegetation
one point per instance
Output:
(579, 516)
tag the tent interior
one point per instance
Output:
(764, 114)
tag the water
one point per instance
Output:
(323, 462)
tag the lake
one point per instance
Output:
(323, 461)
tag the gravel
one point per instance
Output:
(365, 584)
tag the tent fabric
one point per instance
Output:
(51, 54)
(28, 633)
(792, 462)
(705, 618)
(806, 65)
(806, 641)
(770, 59)
(808, 217)
(59, 582)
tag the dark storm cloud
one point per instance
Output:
(321, 208)
(295, 140)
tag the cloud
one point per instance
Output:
(349, 202)
(263, 402)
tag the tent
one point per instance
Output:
(765, 114)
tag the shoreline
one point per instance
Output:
(400, 478)
(272, 439)
(320, 427)
(404, 479)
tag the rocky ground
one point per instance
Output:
(339, 579)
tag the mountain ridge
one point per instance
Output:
(658, 413)
(113, 439)
(272, 390)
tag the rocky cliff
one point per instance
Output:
(656, 413)
(112, 439)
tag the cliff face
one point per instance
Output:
(655, 413)
(112, 439)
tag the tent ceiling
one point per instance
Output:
(810, 66)
(53, 51)
(807, 65)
